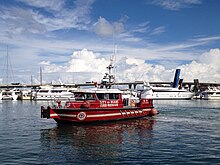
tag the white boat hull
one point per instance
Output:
(211, 94)
(173, 95)
(166, 93)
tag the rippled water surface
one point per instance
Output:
(183, 132)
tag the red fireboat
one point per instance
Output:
(93, 105)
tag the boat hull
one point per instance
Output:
(211, 98)
(211, 95)
(82, 115)
(172, 95)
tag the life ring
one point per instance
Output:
(81, 116)
(68, 104)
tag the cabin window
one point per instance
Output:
(89, 96)
(79, 96)
(44, 91)
(103, 96)
(100, 96)
(55, 91)
(114, 96)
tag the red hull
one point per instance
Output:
(83, 115)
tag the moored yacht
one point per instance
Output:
(211, 94)
(174, 92)
(25, 94)
(166, 93)
(9, 95)
(50, 93)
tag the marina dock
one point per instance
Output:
(194, 86)
(196, 83)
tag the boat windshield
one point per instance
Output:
(84, 96)
(89, 96)
(79, 96)
(107, 96)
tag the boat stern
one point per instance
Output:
(45, 112)
(49, 113)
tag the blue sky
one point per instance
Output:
(73, 40)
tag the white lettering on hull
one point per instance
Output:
(109, 103)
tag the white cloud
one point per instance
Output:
(19, 21)
(158, 30)
(176, 4)
(201, 71)
(206, 68)
(55, 5)
(211, 58)
(86, 61)
(52, 68)
(103, 28)
(128, 69)
(85, 65)
(135, 61)
(31, 19)
(45, 63)
(106, 29)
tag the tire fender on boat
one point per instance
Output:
(153, 112)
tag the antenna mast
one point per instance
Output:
(41, 79)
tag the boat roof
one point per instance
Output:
(99, 90)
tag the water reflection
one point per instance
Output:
(103, 142)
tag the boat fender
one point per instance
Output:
(81, 116)
(132, 103)
(153, 112)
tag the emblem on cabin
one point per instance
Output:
(81, 116)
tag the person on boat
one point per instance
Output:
(59, 103)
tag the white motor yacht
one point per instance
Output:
(166, 93)
(9, 95)
(174, 92)
(211, 94)
(51, 93)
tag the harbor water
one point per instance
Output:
(185, 132)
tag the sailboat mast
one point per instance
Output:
(7, 67)
(41, 79)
